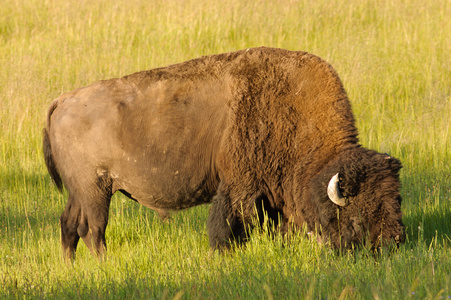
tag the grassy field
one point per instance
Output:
(394, 59)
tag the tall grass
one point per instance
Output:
(393, 57)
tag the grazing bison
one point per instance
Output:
(252, 131)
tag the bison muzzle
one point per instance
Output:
(257, 131)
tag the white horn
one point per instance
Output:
(333, 191)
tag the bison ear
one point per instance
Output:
(333, 191)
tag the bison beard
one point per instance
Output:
(249, 131)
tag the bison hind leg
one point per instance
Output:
(69, 222)
(94, 220)
(86, 216)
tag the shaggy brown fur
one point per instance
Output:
(262, 127)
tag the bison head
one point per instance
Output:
(356, 199)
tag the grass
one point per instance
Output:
(393, 57)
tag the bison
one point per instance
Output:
(256, 131)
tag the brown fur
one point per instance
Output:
(262, 127)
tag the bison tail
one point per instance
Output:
(48, 155)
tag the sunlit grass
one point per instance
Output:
(393, 57)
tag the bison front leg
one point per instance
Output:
(224, 225)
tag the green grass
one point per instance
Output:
(394, 60)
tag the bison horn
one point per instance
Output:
(333, 191)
